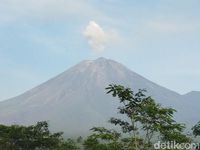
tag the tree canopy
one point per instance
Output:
(16, 137)
(142, 122)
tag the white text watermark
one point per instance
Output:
(175, 145)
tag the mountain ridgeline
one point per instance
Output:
(76, 100)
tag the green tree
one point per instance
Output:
(33, 137)
(103, 138)
(130, 107)
(91, 143)
(144, 114)
(69, 144)
(196, 129)
(158, 120)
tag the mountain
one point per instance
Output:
(194, 95)
(75, 100)
(191, 103)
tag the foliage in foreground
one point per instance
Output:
(32, 137)
(144, 122)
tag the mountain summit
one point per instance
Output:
(75, 100)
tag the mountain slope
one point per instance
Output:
(190, 107)
(75, 100)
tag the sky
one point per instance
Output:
(158, 39)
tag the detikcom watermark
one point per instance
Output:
(175, 145)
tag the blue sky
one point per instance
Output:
(158, 39)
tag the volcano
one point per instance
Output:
(76, 100)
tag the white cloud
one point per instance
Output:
(98, 38)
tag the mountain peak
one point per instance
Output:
(193, 93)
(101, 62)
(101, 59)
